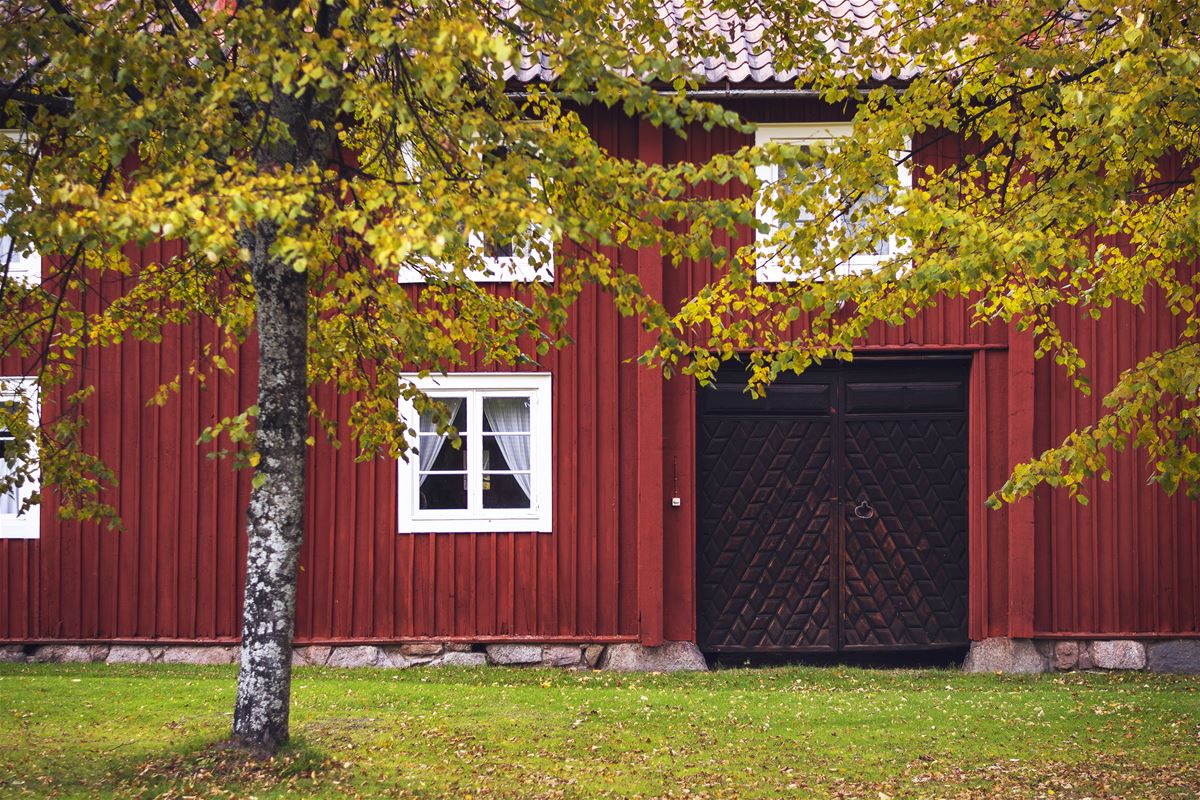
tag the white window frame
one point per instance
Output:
(517, 268)
(24, 267)
(771, 268)
(28, 524)
(474, 386)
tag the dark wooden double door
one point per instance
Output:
(832, 514)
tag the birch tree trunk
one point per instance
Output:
(275, 517)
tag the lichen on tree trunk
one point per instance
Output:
(275, 515)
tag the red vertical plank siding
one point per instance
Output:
(620, 562)
(601, 556)
(995, 522)
(171, 559)
(630, 449)
(978, 412)
(1124, 563)
(206, 505)
(385, 579)
(679, 480)
(187, 510)
(1021, 514)
(605, 553)
(650, 498)
(107, 551)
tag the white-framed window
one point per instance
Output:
(15, 523)
(773, 267)
(22, 266)
(514, 259)
(501, 478)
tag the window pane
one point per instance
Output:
(456, 409)
(10, 501)
(506, 491)
(864, 203)
(499, 247)
(437, 453)
(506, 452)
(791, 181)
(5, 241)
(506, 414)
(443, 491)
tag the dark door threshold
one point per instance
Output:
(908, 659)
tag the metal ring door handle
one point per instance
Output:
(863, 510)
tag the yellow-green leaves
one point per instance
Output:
(1054, 154)
(353, 147)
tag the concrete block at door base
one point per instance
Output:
(515, 654)
(1118, 654)
(1027, 656)
(69, 653)
(667, 657)
(1010, 656)
(356, 656)
(201, 655)
(12, 653)
(1179, 655)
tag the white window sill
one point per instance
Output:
(773, 273)
(500, 270)
(25, 269)
(525, 524)
(25, 526)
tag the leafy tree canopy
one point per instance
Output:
(1079, 126)
(351, 142)
(150, 121)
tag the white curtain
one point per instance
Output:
(429, 453)
(508, 415)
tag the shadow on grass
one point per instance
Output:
(205, 765)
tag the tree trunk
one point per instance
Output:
(275, 518)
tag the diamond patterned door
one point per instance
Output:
(833, 514)
(765, 517)
(905, 533)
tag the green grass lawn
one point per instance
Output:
(94, 730)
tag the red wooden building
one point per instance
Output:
(596, 503)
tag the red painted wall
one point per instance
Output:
(1128, 561)
(620, 563)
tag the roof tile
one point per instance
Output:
(750, 60)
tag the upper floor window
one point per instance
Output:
(522, 256)
(17, 522)
(499, 478)
(775, 267)
(22, 265)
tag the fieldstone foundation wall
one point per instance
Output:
(120, 653)
(669, 657)
(1027, 656)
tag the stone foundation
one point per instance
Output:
(626, 657)
(1028, 656)
(119, 654)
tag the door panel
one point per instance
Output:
(833, 514)
(765, 518)
(905, 520)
